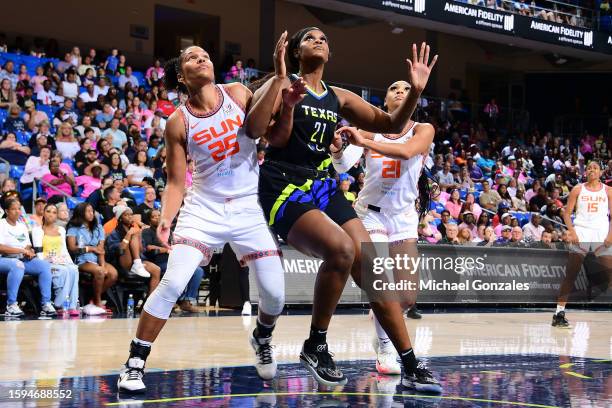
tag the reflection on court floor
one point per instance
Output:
(469, 381)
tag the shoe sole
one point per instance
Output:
(125, 390)
(381, 370)
(316, 376)
(425, 388)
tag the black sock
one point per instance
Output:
(138, 350)
(262, 331)
(317, 336)
(409, 361)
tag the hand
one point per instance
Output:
(608, 242)
(280, 68)
(336, 144)
(96, 250)
(572, 238)
(295, 93)
(133, 231)
(163, 232)
(29, 253)
(353, 135)
(418, 68)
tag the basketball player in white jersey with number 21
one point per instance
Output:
(221, 206)
(591, 231)
(386, 204)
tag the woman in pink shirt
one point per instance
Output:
(453, 205)
(57, 182)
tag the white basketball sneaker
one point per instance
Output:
(386, 359)
(265, 363)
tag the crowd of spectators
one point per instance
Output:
(575, 13)
(86, 133)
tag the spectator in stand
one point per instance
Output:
(158, 254)
(154, 146)
(505, 220)
(33, 117)
(128, 77)
(502, 190)
(115, 136)
(488, 237)
(116, 167)
(236, 73)
(9, 142)
(7, 95)
(112, 196)
(75, 57)
(110, 65)
(518, 202)
(8, 72)
(106, 116)
(18, 258)
(65, 64)
(35, 168)
(506, 235)
(451, 238)
(164, 104)
(533, 191)
(70, 86)
(37, 80)
(464, 236)
(65, 141)
(491, 111)
(470, 204)
(465, 181)
(46, 96)
(124, 246)
(57, 183)
(469, 223)
(89, 96)
(148, 205)
(50, 244)
(14, 122)
(86, 65)
(484, 219)
(445, 177)
(92, 179)
(516, 239)
(155, 73)
(138, 172)
(532, 231)
(101, 88)
(445, 219)
(63, 214)
(121, 66)
(453, 204)
(87, 123)
(489, 199)
(250, 72)
(538, 201)
(85, 239)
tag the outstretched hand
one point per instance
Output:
(295, 93)
(419, 68)
(280, 68)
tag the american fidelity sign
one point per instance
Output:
(501, 22)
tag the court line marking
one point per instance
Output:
(566, 365)
(577, 375)
(340, 393)
(602, 361)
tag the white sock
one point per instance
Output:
(142, 342)
(384, 342)
(560, 309)
(137, 261)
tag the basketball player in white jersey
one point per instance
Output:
(386, 204)
(591, 230)
(221, 206)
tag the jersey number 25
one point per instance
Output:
(222, 149)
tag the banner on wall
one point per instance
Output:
(498, 21)
(453, 274)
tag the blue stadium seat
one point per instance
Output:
(462, 194)
(49, 110)
(16, 172)
(437, 221)
(478, 186)
(138, 193)
(23, 137)
(3, 115)
(72, 202)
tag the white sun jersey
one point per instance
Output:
(391, 184)
(225, 158)
(592, 208)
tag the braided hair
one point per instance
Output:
(172, 69)
(427, 191)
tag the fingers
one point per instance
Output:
(422, 52)
(414, 54)
(433, 62)
(426, 58)
(282, 43)
(409, 65)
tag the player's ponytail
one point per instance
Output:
(172, 70)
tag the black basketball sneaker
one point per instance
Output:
(422, 380)
(319, 362)
(560, 321)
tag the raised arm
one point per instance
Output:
(266, 101)
(366, 116)
(176, 157)
(418, 144)
(279, 132)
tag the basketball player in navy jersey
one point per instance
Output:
(300, 199)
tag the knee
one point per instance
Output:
(341, 256)
(170, 290)
(111, 273)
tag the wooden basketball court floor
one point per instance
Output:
(482, 359)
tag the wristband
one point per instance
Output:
(125, 241)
